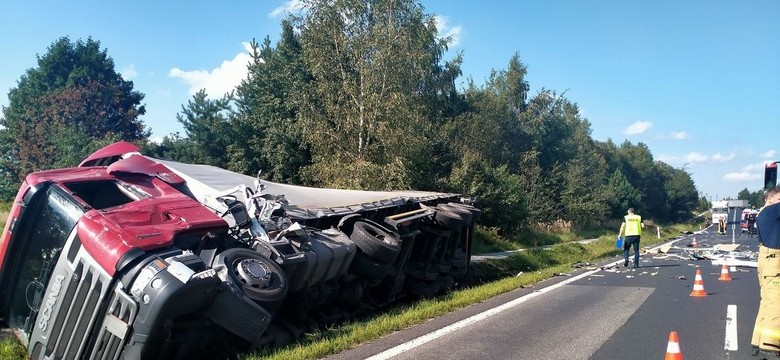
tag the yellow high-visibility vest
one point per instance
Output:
(633, 225)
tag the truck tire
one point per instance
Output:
(376, 242)
(474, 211)
(369, 269)
(448, 219)
(464, 214)
(424, 289)
(258, 277)
(446, 282)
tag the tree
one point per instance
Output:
(622, 195)
(207, 127)
(498, 191)
(680, 191)
(755, 198)
(171, 147)
(269, 133)
(379, 81)
(72, 103)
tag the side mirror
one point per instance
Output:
(259, 186)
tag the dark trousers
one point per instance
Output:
(627, 243)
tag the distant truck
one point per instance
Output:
(720, 210)
(737, 203)
(132, 257)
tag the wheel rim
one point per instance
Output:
(254, 273)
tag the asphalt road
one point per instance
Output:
(608, 313)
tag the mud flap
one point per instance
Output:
(238, 314)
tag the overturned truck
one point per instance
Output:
(128, 256)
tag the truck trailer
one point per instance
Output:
(131, 257)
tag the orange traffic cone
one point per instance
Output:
(673, 347)
(724, 273)
(698, 285)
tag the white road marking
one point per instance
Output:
(389, 353)
(731, 328)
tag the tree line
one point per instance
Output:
(355, 94)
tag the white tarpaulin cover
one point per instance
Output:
(206, 180)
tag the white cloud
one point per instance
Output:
(637, 128)
(757, 168)
(695, 157)
(220, 80)
(444, 29)
(288, 7)
(129, 73)
(741, 177)
(771, 154)
(720, 158)
(680, 135)
(750, 172)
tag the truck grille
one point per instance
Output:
(110, 339)
(79, 310)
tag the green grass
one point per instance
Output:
(488, 240)
(11, 349)
(493, 278)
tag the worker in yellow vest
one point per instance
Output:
(632, 229)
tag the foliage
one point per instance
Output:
(622, 195)
(72, 103)
(704, 204)
(379, 80)
(207, 128)
(755, 198)
(680, 191)
(268, 135)
(10, 349)
(500, 192)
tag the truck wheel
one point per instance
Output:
(463, 213)
(260, 278)
(448, 219)
(474, 211)
(446, 282)
(375, 242)
(369, 269)
(424, 289)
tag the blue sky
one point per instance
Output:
(697, 81)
